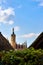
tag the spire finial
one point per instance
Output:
(13, 30)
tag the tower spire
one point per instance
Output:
(13, 30)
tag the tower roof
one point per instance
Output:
(13, 32)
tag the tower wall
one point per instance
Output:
(13, 39)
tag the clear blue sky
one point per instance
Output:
(26, 16)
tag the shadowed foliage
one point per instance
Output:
(22, 57)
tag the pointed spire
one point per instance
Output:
(13, 30)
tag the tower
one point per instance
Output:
(13, 39)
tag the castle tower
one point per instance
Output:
(13, 39)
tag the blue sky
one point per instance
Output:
(26, 16)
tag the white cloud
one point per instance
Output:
(10, 22)
(6, 36)
(30, 35)
(5, 14)
(16, 28)
(40, 2)
(9, 11)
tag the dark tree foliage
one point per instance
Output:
(22, 57)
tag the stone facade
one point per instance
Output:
(13, 39)
(14, 44)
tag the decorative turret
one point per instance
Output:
(13, 39)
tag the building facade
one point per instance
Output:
(13, 39)
(6, 45)
(14, 44)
